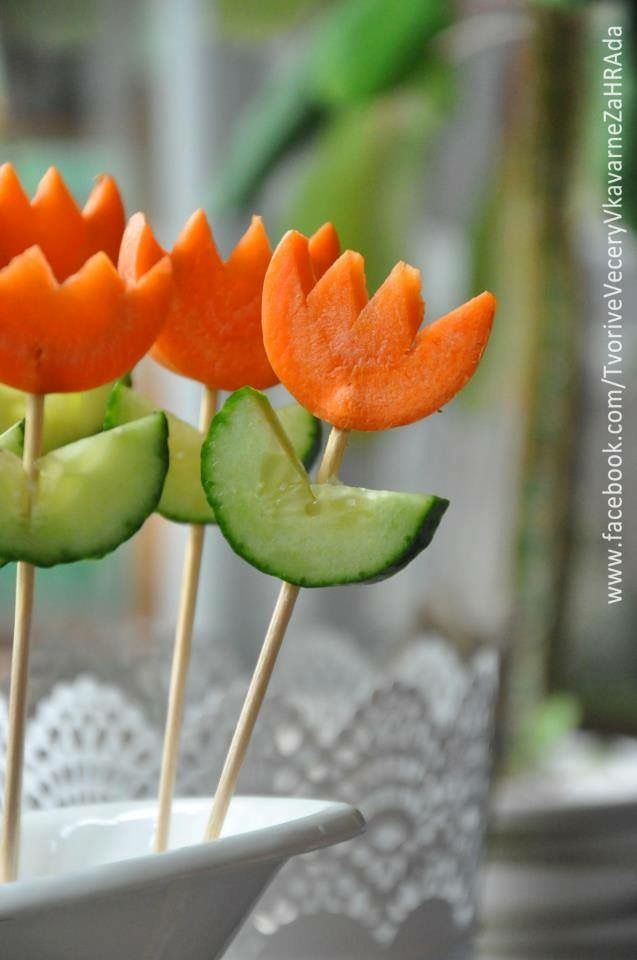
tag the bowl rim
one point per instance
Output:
(513, 815)
(330, 823)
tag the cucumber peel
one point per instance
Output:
(13, 439)
(183, 499)
(89, 496)
(311, 535)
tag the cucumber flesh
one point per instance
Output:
(183, 499)
(89, 496)
(67, 416)
(308, 534)
(304, 431)
(13, 439)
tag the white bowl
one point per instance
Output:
(89, 886)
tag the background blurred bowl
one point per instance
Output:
(561, 881)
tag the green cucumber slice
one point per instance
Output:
(303, 430)
(13, 439)
(90, 496)
(183, 499)
(312, 535)
(67, 416)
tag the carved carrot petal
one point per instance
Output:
(364, 364)
(213, 329)
(53, 221)
(68, 321)
(78, 334)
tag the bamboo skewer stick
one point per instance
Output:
(181, 654)
(333, 456)
(257, 690)
(24, 592)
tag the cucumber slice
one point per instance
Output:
(308, 534)
(183, 499)
(13, 439)
(90, 496)
(303, 430)
(67, 416)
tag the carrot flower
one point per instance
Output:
(212, 334)
(52, 220)
(68, 320)
(361, 363)
(213, 330)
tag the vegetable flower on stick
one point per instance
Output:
(68, 322)
(358, 363)
(212, 335)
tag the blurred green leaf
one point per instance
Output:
(549, 722)
(366, 46)
(359, 169)
(547, 149)
(503, 260)
(255, 19)
(269, 127)
(358, 49)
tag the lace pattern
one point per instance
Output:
(409, 745)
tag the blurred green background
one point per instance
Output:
(466, 138)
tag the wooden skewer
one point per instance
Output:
(181, 654)
(257, 690)
(24, 591)
(333, 456)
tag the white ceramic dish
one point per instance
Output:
(89, 888)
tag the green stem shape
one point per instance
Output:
(545, 518)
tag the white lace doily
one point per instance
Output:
(409, 745)
(86, 743)
(420, 776)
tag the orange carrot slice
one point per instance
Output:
(213, 329)
(79, 334)
(360, 363)
(68, 321)
(53, 221)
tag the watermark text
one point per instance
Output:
(612, 368)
